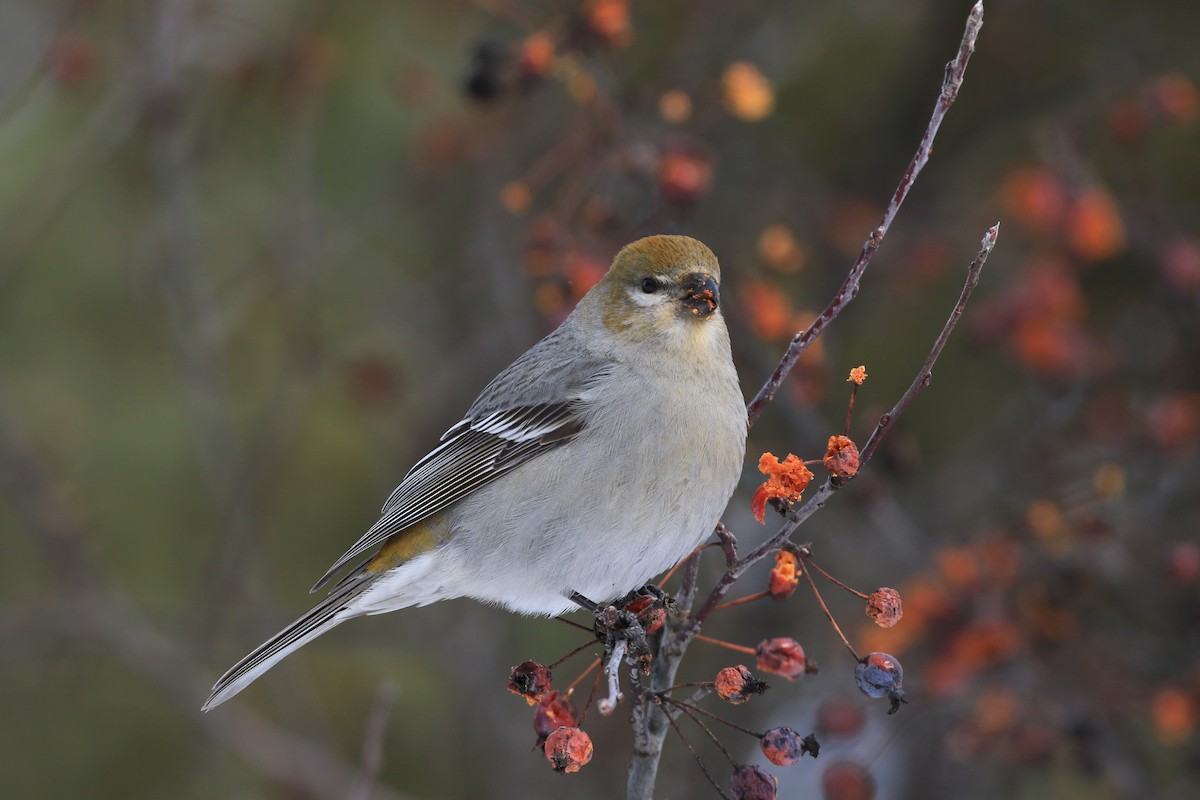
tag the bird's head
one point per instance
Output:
(660, 285)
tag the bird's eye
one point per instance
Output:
(650, 285)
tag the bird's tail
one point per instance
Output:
(323, 617)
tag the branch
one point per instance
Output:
(926, 374)
(955, 70)
(796, 518)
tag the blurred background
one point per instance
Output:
(256, 255)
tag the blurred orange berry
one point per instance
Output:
(1050, 346)
(771, 315)
(958, 567)
(610, 20)
(1094, 228)
(675, 106)
(749, 95)
(536, 56)
(1174, 421)
(1173, 712)
(1035, 197)
(779, 250)
(516, 197)
(684, 176)
(1177, 96)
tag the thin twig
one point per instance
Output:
(955, 70)
(696, 756)
(612, 670)
(926, 373)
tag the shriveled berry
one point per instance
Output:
(846, 780)
(553, 712)
(568, 749)
(785, 575)
(752, 783)
(784, 746)
(529, 679)
(782, 656)
(881, 675)
(737, 684)
(841, 457)
(884, 607)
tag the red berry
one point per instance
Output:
(568, 749)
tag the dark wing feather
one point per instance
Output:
(473, 453)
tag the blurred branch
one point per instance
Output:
(955, 70)
(100, 610)
(372, 748)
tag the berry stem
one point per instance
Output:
(808, 560)
(828, 615)
(708, 731)
(574, 652)
(727, 645)
(571, 687)
(742, 600)
(850, 406)
(696, 756)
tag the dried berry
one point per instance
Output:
(738, 684)
(782, 656)
(529, 679)
(786, 480)
(841, 457)
(553, 712)
(785, 575)
(858, 374)
(784, 746)
(568, 749)
(881, 675)
(752, 783)
(883, 606)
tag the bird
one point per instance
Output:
(594, 462)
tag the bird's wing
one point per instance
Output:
(491, 440)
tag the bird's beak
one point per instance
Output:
(701, 295)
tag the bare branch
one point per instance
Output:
(955, 70)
